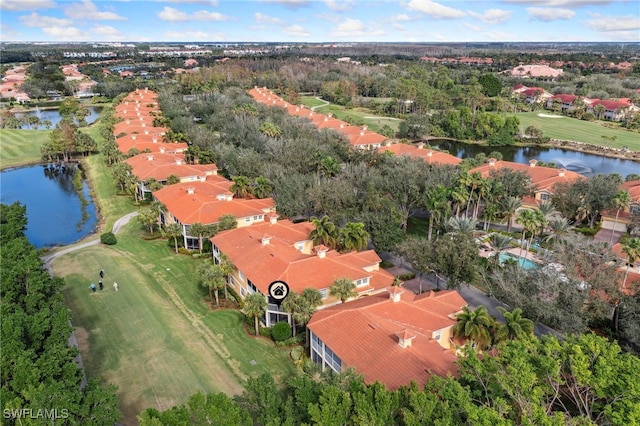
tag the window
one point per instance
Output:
(247, 219)
(437, 335)
(324, 292)
(243, 293)
(544, 196)
(362, 282)
(232, 281)
(634, 209)
(241, 276)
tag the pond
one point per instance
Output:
(580, 162)
(57, 214)
(53, 116)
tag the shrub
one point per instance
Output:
(281, 331)
(406, 277)
(183, 250)
(265, 331)
(292, 341)
(108, 238)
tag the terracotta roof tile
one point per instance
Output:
(542, 178)
(428, 155)
(375, 322)
(162, 165)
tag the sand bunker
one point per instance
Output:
(549, 116)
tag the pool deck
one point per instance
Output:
(515, 251)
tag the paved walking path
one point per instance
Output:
(117, 226)
(318, 106)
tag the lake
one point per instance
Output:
(55, 212)
(54, 117)
(580, 162)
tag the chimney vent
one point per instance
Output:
(266, 240)
(533, 162)
(191, 190)
(395, 294)
(492, 161)
(162, 150)
(561, 172)
(321, 251)
(420, 145)
(273, 219)
(405, 337)
(149, 157)
(179, 162)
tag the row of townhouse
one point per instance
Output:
(392, 336)
(11, 83)
(358, 137)
(614, 110)
(200, 196)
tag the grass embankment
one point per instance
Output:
(156, 338)
(370, 119)
(572, 129)
(21, 147)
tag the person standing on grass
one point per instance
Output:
(101, 273)
(100, 286)
(93, 287)
(115, 286)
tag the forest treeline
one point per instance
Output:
(582, 380)
(41, 382)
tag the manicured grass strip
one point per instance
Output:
(578, 130)
(311, 101)
(20, 147)
(157, 338)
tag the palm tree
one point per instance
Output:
(631, 247)
(353, 236)
(499, 242)
(461, 225)
(173, 230)
(459, 195)
(255, 305)
(474, 325)
(510, 206)
(199, 230)
(621, 201)
(226, 267)
(293, 304)
(532, 221)
(213, 277)
(241, 186)
(325, 232)
(548, 210)
(559, 227)
(437, 203)
(515, 325)
(269, 129)
(262, 187)
(343, 289)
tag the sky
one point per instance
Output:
(320, 21)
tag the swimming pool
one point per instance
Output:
(524, 263)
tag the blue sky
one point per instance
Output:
(331, 21)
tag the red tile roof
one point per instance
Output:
(153, 143)
(162, 165)
(428, 155)
(364, 334)
(205, 202)
(542, 178)
(281, 260)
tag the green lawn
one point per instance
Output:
(578, 130)
(21, 147)
(418, 226)
(156, 338)
(373, 122)
(311, 101)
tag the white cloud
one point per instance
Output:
(65, 33)
(8, 33)
(473, 27)
(549, 14)
(89, 11)
(354, 28)
(296, 31)
(192, 35)
(20, 5)
(435, 10)
(39, 21)
(340, 6)
(492, 16)
(403, 17)
(561, 3)
(107, 32)
(204, 15)
(212, 3)
(266, 19)
(291, 4)
(615, 23)
(172, 15)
